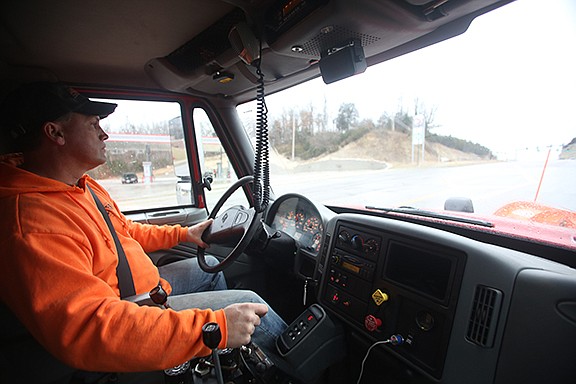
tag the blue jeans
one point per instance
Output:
(194, 288)
(186, 276)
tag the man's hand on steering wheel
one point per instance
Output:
(195, 233)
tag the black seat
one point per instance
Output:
(23, 359)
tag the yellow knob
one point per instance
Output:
(379, 297)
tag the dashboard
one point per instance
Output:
(466, 310)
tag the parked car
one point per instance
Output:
(129, 178)
(405, 165)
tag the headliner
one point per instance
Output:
(179, 45)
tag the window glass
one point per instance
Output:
(478, 124)
(145, 154)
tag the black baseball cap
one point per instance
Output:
(33, 104)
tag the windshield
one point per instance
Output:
(479, 124)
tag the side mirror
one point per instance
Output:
(207, 180)
(459, 204)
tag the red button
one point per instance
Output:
(372, 323)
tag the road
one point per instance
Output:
(489, 185)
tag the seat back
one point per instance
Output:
(23, 359)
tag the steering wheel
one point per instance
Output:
(234, 227)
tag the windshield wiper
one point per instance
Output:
(419, 212)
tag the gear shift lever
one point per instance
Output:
(211, 336)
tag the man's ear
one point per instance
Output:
(54, 132)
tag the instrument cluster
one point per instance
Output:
(299, 219)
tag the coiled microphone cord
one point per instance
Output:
(261, 191)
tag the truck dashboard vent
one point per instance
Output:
(484, 316)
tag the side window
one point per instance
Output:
(145, 155)
(214, 162)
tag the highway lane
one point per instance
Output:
(489, 185)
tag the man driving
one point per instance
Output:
(58, 263)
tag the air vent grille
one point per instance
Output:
(484, 316)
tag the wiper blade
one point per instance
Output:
(434, 215)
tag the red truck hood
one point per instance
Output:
(527, 220)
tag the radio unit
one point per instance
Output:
(356, 265)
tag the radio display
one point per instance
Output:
(350, 267)
(420, 270)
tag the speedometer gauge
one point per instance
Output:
(312, 224)
(285, 221)
(300, 217)
(286, 225)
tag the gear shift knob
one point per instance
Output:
(211, 335)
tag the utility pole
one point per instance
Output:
(293, 134)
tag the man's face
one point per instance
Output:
(84, 140)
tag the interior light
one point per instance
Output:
(223, 77)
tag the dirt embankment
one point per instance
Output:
(396, 148)
(377, 150)
(381, 149)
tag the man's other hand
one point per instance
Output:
(241, 320)
(195, 233)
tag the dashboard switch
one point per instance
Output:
(372, 323)
(379, 297)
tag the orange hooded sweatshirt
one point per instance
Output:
(58, 275)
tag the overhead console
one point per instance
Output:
(385, 283)
(466, 311)
(296, 36)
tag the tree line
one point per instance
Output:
(307, 135)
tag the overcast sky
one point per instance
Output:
(512, 75)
